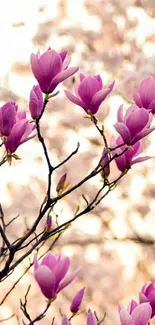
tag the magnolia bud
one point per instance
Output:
(48, 225)
(61, 183)
(76, 302)
(65, 321)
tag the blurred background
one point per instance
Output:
(114, 245)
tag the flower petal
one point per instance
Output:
(49, 260)
(136, 98)
(99, 97)
(61, 76)
(147, 91)
(137, 121)
(61, 268)
(46, 280)
(120, 114)
(87, 89)
(68, 280)
(125, 318)
(122, 129)
(75, 100)
(142, 134)
(140, 159)
(142, 314)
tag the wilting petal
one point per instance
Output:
(46, 280)
(122, 129)
(141, 314)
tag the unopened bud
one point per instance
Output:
(76, 302)
(65, 321)
(91, 319)
(61, 183)
(48, 225)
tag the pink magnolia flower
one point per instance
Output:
(76, 302)
(91, 319)
(134, 125)
(146, 94)
(20, 133)
(147, 294)
(50, 69)
(36, 102)
(7, 118)
(127, 159)
(50, 274)
(135, 314)
(90, 93)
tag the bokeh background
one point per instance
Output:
(114, 245)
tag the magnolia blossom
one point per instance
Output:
(126, 158)
(146, 94)
(50, 274)
(8, 114)
(147, 294)
(134, 125)
(89, 93)
(135, 314)
(76, 302)
(36, 102)
(21, 132)
(50, 69)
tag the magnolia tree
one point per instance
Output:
(50, 69)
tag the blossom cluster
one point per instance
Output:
(50, 69)
(50, 275)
